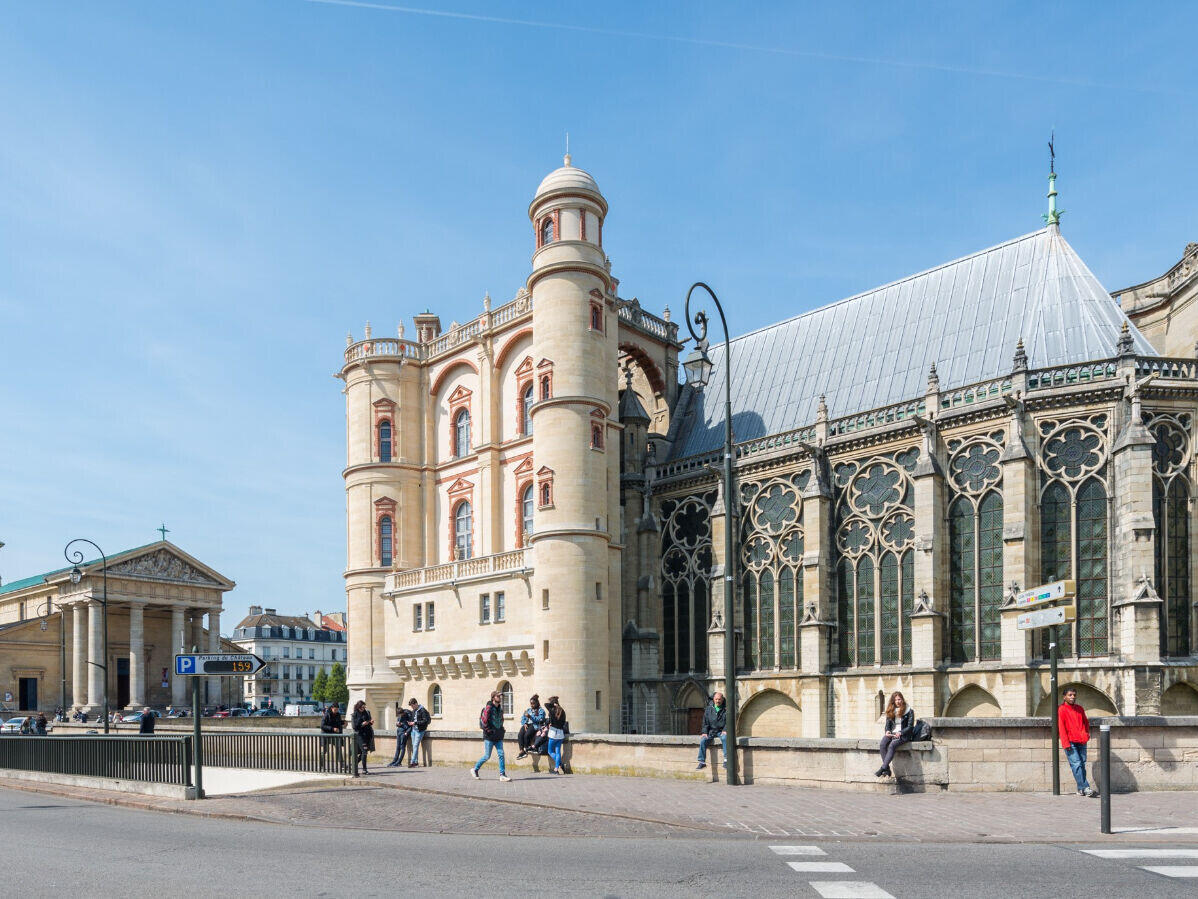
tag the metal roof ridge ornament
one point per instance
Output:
(1053, 216)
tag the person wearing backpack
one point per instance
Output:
(558, 728)
(898, 729)
(490, 720)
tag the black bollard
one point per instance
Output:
(1104, 786)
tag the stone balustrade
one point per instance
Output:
(462, 570)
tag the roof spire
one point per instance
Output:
(1053, 216)
(1020, 363)
(566, 162)
(1125, 346)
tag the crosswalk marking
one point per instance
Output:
(822, 867)
(1158, 830)
(798, 850)
(849, 889)
(1172, 870)
(1142, 853)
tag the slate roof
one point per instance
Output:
(875, 348)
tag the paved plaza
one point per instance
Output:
(447, 800)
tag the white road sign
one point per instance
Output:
(1029, 621)
(1053, 592)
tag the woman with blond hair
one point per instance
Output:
(898, 726)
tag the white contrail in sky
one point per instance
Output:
(732, 45)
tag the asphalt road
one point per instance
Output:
(56, 846)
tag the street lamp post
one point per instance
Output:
(76, 559)
(62, 648)
(698, 372)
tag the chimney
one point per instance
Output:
(255, 610)
(272, 611)
(317, 618)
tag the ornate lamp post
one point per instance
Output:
(76, 559)
(698, 373)
(62, 647)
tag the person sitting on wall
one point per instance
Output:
(714, 717)
(897, 729)
(534, 720)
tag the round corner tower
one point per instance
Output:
(576, 576)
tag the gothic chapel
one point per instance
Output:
(532, 504)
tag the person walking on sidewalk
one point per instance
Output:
(420, 722)
(558, 729)
(403, 728)
(1075, 734)
(363, 725)
(490, 719)
(897, 728)
(714, 717)
(533, 720)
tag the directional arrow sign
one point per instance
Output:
(1053, 592)
(1029, 621)
(199, 664)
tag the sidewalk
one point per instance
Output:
(447, 800)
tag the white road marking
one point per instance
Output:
(1172, 870)
(1142, 853)
(798, 850)
(849, 889)
(822, 867)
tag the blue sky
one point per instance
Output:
(198, 201)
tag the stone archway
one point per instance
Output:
(1096, 703)
(770, 713)
(972, 701)
(1180, 699)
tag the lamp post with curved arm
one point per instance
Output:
(698, 369)
(44, 614)
(76, 559)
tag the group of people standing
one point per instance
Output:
(542, 729)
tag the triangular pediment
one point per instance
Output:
(544, 472)
(460, 394)
(544, 363)
(524, 367)
(460, 485)
(163, 562)
(524, 467)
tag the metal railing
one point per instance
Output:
(312, 753)
(164, 760)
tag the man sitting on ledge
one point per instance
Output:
(713, 726)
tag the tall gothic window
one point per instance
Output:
(463, 530)
(386, 541)
(526, 401)
(686, 578)
(975, 549)
(384, 441)
(1171, 458)
(772, 556)
(461, 433)
(875, 568)
(1073, 526)
(526, 509)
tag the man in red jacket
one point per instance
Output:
(1075, 734)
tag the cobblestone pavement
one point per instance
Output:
(447, 800)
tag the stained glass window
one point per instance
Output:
(889, 578)
(961, 581)
(786, 618)
(701, 617)
(1092, 569)
(865, 611)
(1056, 557)
(669, 662)
(684, 627)
(765, 607)
(749, 604)
(908, 602)
(990, 582)
(845, 619)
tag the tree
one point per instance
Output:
(335, 689)
(320, 686)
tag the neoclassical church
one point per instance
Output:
(533, 499)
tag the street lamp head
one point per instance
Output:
(698, 367)
(76, 574)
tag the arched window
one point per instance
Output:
(463, 530)
(546, 230)
(865, 611)
(596, 436)
(544, 387)
(384, 441)
(845, 618)
(526, 401)
(1171, 462)
(526, 510)
(1082, 556)
(461, 433)
(385, 541)
(434, 701)
(507, 699)
(546, 494)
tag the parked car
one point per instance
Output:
(135, 717)
(267, 713)
(240, 713)
(220, 713)
(13, 725)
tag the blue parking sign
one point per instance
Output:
(185, 664)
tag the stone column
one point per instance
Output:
(137, 656)
(178, 683)
(931, 560)
(95, 655)
(214, 693)
(1019, 692)
(817, 618)
(196, 631)
(78, 656)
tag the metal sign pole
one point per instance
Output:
(1052, 708)
(199, 748)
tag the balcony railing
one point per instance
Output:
(463, 570)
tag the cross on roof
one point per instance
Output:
(164, 530)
